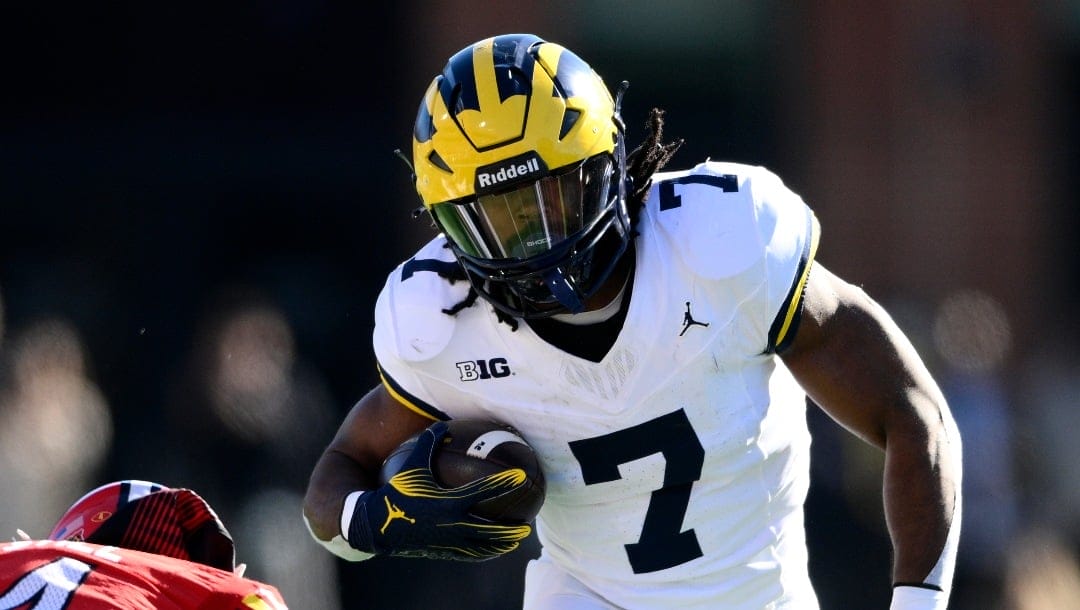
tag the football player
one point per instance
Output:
(652, 334)
(134, 545)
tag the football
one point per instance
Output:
(473, 449)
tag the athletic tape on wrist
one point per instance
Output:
(918, 598)
(941, 575)
(338, 545)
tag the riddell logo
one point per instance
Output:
(511, 170)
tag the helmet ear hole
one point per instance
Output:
(438, 162)
(570, 118)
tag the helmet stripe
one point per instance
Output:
(569, 67)
(513, 53)
(424, 129)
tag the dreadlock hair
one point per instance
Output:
(641, 163)
(458, 273)
(647, 159)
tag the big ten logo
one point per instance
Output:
(471, 370)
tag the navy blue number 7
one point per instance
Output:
(729, 183)
(662, 544)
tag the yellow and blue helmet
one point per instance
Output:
(519, 157)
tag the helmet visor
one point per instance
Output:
(532, 219)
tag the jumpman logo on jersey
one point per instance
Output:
(393, 512)
(688, 320)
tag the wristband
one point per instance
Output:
(906, 597)
(347, 511)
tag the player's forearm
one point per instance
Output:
(922, 495)
(333, 478)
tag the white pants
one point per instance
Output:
(548, 587)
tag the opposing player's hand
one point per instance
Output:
(413, 516)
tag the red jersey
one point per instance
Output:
(66, 575)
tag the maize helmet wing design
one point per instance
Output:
(518, 155)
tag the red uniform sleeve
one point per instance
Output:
(60, 575)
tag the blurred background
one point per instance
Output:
(199, 203)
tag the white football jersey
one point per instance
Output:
(677, 466)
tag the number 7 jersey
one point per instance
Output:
(677, 465)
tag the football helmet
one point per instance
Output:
(518, 154)
(152, 518)
(89, 512)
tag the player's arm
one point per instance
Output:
(855, 363)
(354, 517)
(372, 429)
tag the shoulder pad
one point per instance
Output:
(720, 217)
(409, 317)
